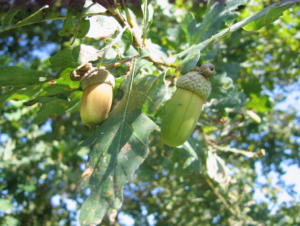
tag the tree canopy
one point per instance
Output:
(50, 159)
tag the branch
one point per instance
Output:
(220, 196)
(136, 41)
(117, 63)
(19, 24)
(111, 12)
(237, 151)
(230, 137)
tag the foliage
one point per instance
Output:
(211, 178)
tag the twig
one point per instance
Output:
(227, 139)
(107, 13)
(129, 19)
(220, 196)
(237, 151)
(117, 63)
(114, 12)
(136, 41)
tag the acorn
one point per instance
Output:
(97, 97)
(184, 108)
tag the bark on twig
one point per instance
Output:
(136, 41)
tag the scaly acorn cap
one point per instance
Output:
(98, 76)
(195, 82)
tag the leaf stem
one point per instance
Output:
(128, 17)
(237, 151)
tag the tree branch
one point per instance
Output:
(117, 63)
(19, 24)
(220, 196)
(136, 41)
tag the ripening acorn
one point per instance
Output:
(97, 97)
(184, 108)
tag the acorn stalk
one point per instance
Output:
(184, 108)
(97, 97)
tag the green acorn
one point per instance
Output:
(184, 108)
(97, 97)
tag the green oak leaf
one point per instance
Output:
(18, 78)
(74, 23)
(26, 92)
(56, 96)
(217, 13)
(260, 103)
(64, 59)
(186, 159)
(189, 61)
(221, 86)
(253, 85)
(269, 15)
(119, 147)
(15, 76)
(54, 106)
(84, 53)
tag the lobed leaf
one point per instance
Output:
(225, 93)
(25, 93)
(186, 159)
(283, 5)
(120, 146)
(221, 86)
(124, 42)
(252, 85)
(74, 23)
(189, 61)
(63, 59)
(269, 15)
(15, 76)
(19, 78)
(99, 23)
(84, 53)
(218, 12)
(260, 103)
(54, 106)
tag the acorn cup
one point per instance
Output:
(184, 108)
(97, 97)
